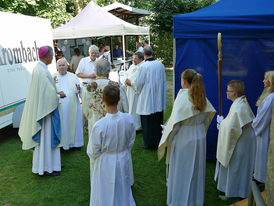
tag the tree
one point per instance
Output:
(55, 10)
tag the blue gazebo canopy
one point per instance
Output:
(247, 28)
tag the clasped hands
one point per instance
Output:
(219, 120)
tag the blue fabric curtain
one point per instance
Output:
(243, 59)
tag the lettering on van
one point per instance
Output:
(21, 54)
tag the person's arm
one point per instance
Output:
(263, 117)
(85, 76)
(80, 69)
(133, 134)
(94, 144)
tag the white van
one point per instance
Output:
(20, 38)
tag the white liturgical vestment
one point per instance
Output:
(151, 84)
(71, 109)
(261, 126)
(109, 147)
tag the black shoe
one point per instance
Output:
(55, 173)
(144, 147)
(63, 166)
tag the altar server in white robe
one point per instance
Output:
(112, 139)
(151, 84)
(40, 126)
(71, 108)
(131, 90)
(236, 146)
(185, 139)
(261, 125)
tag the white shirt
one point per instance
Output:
(151, 84)
(140, 49)
(86, 66)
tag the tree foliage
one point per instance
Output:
(55, 10)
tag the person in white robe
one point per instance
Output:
(71, 108)
(269, 184)
(109, 147)
(151, 84)
(261, 126)
(236, 145)
(40, 126)
(93, 106)
(132, 92)
(185, 138)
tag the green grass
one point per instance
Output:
(19, 187)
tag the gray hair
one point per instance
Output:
(63, 59)
(139, 55)
(147, 51)
(93, 48)
(102, 67)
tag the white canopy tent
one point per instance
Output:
(94, 21)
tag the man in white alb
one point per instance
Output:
(132, 93)
(71, 108)
(151, 83)
(40, 126)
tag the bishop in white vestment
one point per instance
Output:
(71, 108)
(40, 126)
(109, 147)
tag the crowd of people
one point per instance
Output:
(113, 112)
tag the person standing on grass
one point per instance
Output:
(236, 146)
(71, 108)
(109, 147)
(151, 85)
(185, 139)
(132, 93)
(261, 126)
(40, 126)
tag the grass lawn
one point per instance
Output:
(18, 186)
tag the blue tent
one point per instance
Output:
(247, 28)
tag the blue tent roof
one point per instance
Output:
(233, 18)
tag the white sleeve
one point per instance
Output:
(95, 143)
(132, 134)
(263, 117)
(80, 67)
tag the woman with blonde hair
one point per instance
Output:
(261, 126)
(185, 139)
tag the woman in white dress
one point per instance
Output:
(185, 138)
(261, 126)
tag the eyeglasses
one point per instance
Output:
(229, 91)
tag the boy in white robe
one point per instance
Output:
(236, 146)
(132, 92)
(109, 147)
(261, 126)
(40, 126)
(71, 108)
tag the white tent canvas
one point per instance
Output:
(94, 21)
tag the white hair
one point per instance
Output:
(93, 48)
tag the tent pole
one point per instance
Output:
(124, 50)
(111, 50)
(149, 36)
